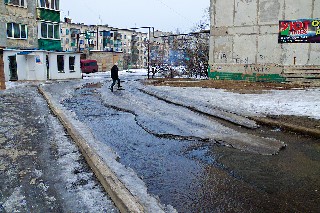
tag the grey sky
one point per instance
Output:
(165, 15)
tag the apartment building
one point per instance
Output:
(159, 48)
(127, 47)
(246, 40)
(30, 42)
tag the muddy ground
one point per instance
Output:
(243, 87)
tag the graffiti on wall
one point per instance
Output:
(299, 31)
(259, 68)
(222, 56)
(241, 60)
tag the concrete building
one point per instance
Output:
(18, 24)
(30, 40)
(244, 41)
(127, 47)
(159, 48)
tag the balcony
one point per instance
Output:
(48, 15)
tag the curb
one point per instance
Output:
(119, 194)
(287, 126)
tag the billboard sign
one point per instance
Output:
(299, 31)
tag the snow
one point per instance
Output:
(304, 102)
(298, 102)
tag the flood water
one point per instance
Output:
(198, 176)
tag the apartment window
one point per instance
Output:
(60, 62)
(71, 63)
(56, 31)
(125, 36)
(21, 3)
(49, 4)
(18, 31)
(49, 30)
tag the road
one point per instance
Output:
(197, 163)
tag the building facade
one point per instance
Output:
(48, 19)
(159, 48)
(18, 24)
(127, 45)
(244, 41)
(30, 40)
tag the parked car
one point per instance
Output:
(89, 66)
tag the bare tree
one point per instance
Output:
(194, 48)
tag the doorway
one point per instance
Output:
(13, 68)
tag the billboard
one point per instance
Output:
(299, 31)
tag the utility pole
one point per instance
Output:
(149, 55)
(97, 37)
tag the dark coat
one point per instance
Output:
(114, 72)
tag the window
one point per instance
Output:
(21, 3)
(18, 31)
(41, 3)
(56, 31)
(71, 63)
(49, 4)
(44, 30)
(23, 31)
(49, 30)
(60, 62)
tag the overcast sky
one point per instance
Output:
(164, 15)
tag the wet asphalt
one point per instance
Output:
(200, 176)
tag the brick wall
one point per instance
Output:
(2, 79)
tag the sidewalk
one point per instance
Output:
(41, 170)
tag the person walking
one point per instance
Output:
(115, 76)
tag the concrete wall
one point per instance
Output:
(106, 59)
(19, 15)
(2, 78)
(244, 40)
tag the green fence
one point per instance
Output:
(255, 77)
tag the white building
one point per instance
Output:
(40, 65)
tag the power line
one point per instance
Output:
(173, 10)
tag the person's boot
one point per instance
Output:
(111, 88)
